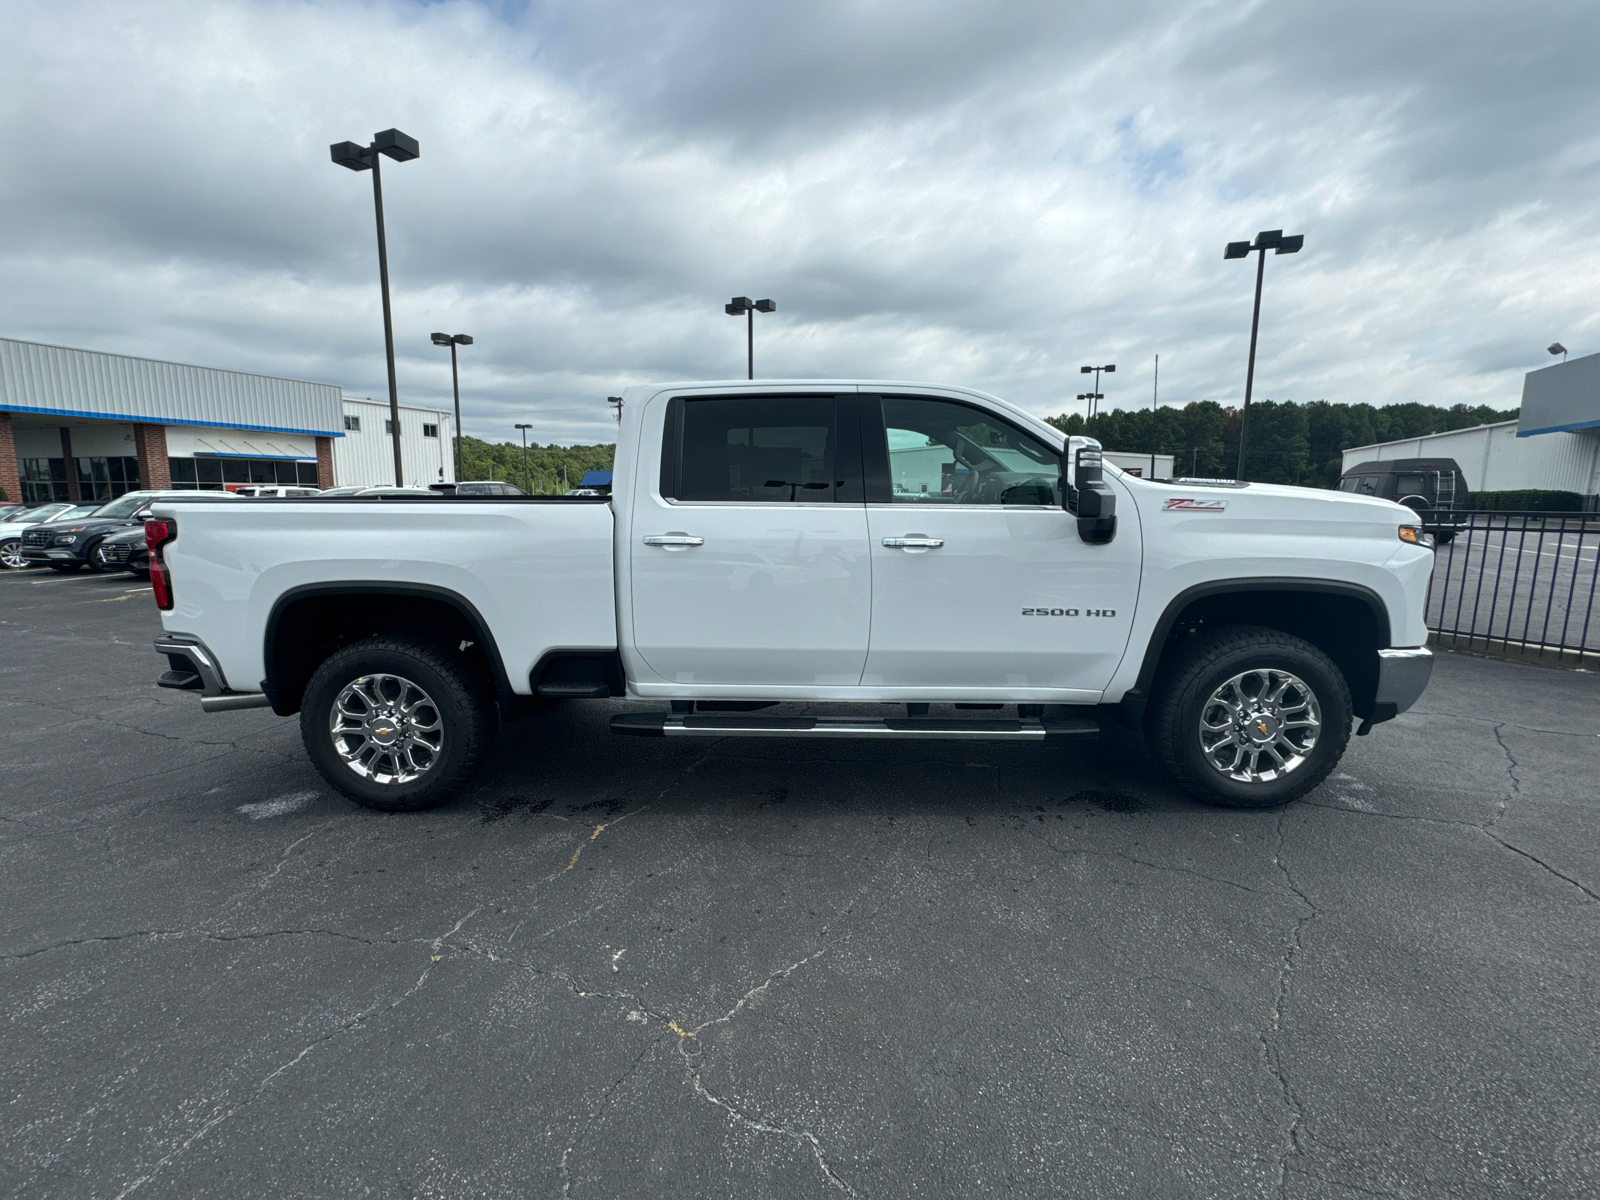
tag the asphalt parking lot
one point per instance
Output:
(625, 967)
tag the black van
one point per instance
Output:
(1434, 487)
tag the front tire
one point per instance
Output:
(1250, 717)
(398, 723)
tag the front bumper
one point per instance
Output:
(1402, 678)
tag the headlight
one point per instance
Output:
(1416, 536)
(66, 539)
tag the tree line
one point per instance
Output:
(1289, 442)
(546, 471)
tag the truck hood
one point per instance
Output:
(1258, 500)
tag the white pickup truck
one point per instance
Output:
(885, 560)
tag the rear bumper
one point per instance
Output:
(1402, 678)
(194, 669)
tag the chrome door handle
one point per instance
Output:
(673, 539)
(913, 543)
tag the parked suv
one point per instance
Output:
(477, 487)
(1433, 488)
(68, 546)
(18, 523)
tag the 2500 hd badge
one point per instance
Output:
(1069, 612)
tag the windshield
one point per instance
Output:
(43, 513)
(73, 512)
(123, 506)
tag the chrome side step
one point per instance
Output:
(939, 728)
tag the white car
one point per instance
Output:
(838, 543)
(257, 491)
(11, 558)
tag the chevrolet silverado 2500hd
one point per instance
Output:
(851, 546)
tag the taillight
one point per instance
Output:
(156, 535)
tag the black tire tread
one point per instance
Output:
(478, 735)
(1199, 656)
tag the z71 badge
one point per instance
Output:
(1185, 505)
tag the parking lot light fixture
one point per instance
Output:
(1558, 348)
(1267, 239)
(749, 308)
(391, 143)
(527, 486)
(453, 340)
(1093, 395)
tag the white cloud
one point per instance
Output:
(988, 194)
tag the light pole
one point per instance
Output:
(1267, 239)
(454, 340)
(526, 482)
(1094, 393)
(365, 158)
(1155, 410)
(748, 307)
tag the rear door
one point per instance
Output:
(749, 562)
(979, 577)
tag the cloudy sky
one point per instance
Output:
(985, 193)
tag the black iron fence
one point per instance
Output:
(1518, 583)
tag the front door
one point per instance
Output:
(751, 565)
(979, 577)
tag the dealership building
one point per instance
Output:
(83, 425)
(1554, 444)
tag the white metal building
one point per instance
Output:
(365, 454)
(1139, 464)
(1554, 444)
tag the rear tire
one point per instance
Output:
(398, 723)
(1223, 734)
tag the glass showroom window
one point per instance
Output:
(107, 478)
(44, 479)
(215, 473)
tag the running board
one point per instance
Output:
(751, 725)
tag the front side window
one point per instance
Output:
(773, 449)
(941, 452)
(1349, 483)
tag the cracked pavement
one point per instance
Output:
(623, 967)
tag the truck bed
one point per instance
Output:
(538, 570)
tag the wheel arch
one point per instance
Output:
(309, 622)
(1346, 621)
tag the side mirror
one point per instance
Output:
(1091, 498)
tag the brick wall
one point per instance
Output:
(325, 463)
(10, 480)
(150, 443)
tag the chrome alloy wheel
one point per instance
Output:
(11, 557)
(386, 729)
(1260, 725)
